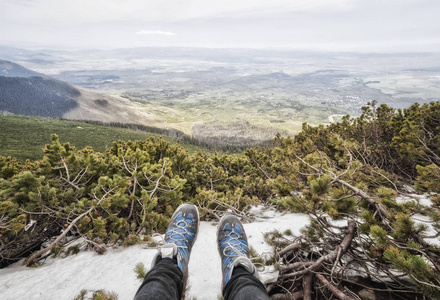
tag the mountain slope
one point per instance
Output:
(25, 92)
(24, 137)
(37, 96)
(10, 69)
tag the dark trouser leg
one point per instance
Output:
(163, 282)
(244, 286)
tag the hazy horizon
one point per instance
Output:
(41, 47)
(394, 26)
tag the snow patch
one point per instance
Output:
(425, 200)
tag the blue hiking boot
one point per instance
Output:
(180, 237)
(233, 248)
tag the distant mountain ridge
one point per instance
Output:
(10, 69)
(25, 92)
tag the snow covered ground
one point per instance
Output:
(65, 278)
(113, 271)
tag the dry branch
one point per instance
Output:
(296, 265)
(291, 247)
(65, 232)
(293, 296)
(331, 257)
(307, 286)
(337, 292)
(42, 251)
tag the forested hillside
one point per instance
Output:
(350, 177)
(37, 96)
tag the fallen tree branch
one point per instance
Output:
(337, 292)
(296, 265)
(293, 296)
(213, 213)
(291, 247)
(307, 286)
(331, 257)
(42, 251)
(48, 248)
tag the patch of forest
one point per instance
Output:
(349, 177)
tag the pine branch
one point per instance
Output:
(364, 196)
(354, 189)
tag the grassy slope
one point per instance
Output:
(24, 137)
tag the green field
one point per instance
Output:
(24, 137)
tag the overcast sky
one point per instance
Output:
(347, 25)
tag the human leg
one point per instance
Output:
(169, 273)
(240, 277)
(163, 282)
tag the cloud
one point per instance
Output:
(91, 12)
(227, 23)
(17, 2)
(156, 32)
